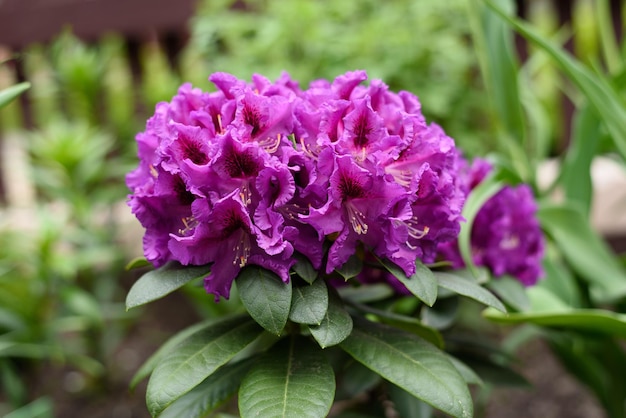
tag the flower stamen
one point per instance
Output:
(271, 145)
(356, 218)
(190, 223)
(242, 250)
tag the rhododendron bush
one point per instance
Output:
(326, 207)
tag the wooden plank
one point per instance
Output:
(23, 22)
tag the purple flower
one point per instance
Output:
(255, 172)
(506, 236)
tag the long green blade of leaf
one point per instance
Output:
(475, 201)
(597, 89)
(495, 41)
(411, 363)
(591, 320)
(576, 172)
(161, 282)
(585, 251)
(196, 358)
(266, 298)
(10, 93)
(293, 380)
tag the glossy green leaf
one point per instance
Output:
(309, 303)
(211, 393)
(411, 363)
(511, 291)
(304, 268)
(197, 357)
(292, 380)
(588, 255)
(10, 93)
(161, 282)
(148, 366)
(469, 288)
(265, 296)
(596, 88)
(336, 325)
(421, 284)
(351, 268)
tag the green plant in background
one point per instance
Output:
(579, 307)
(10, 93)
(418, 46)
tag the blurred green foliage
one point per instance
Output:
(420, 46)
(60, 298)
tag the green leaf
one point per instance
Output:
(421, 284)
(292, 380)
(511, 291)
(211, 393)
(474, 202)
(148, 366)
(469, 288)
(84, 304)
(366, 293)
(351, 268)
(500, 67)
(407, 405)
(576, 171)
(597, 89)
(266, 298)
(442, 314)
(468, 374)
(10, 93)
(588, 255)
(336, 325)
(560, 281)
(137, 262)
(196, 358)
(411, 363)
(309, 303)
(160, 282)
(595, 321)
(355, 380)
(39, 408)
(304, 268)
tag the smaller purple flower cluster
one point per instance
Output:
(255, 172)
(506, 236)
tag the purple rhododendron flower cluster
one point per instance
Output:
(255, 172)
(506, 236)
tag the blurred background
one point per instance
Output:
(97, 68)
